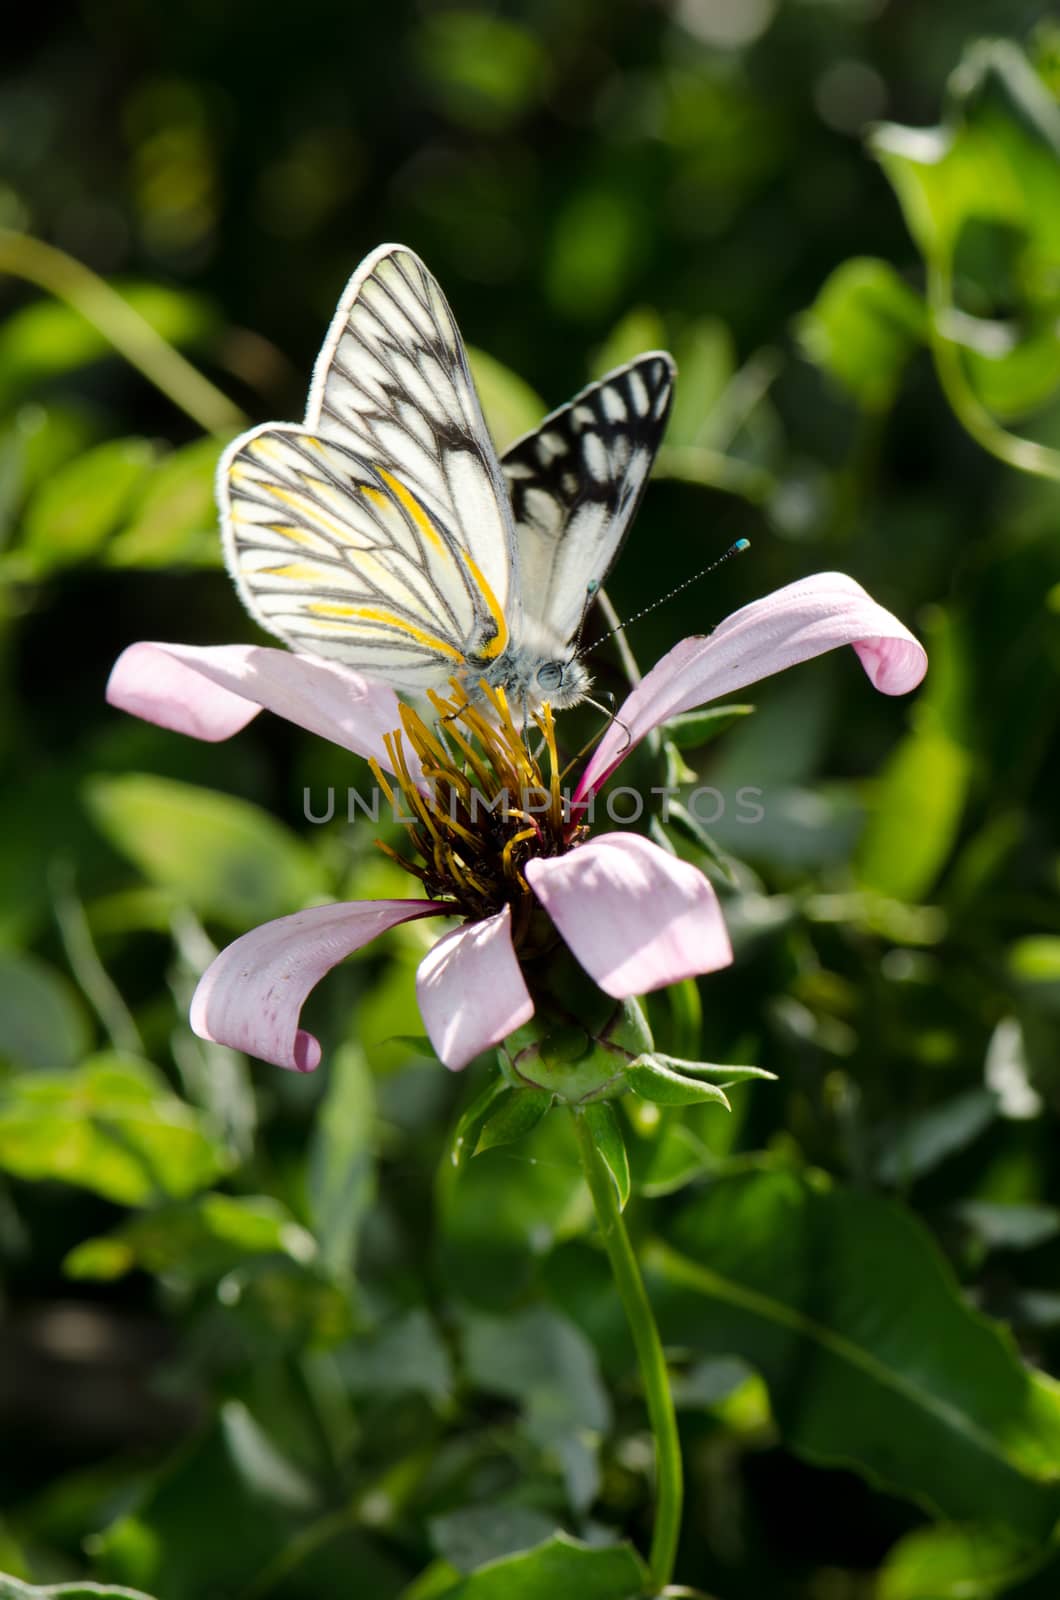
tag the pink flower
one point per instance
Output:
(634, 917)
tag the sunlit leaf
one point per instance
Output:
(476, 1535)
(511, 407)
(76, 509)
(174, 521)
(111, 1125)
(49, 338)
(225, 857)
(199, 1241)
(862, 329)
(956, 1563)
(560, 1567)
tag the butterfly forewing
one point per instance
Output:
(380, 532)
(393, 385)
(575, 483)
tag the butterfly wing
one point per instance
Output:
(575, 483)
(380, 532)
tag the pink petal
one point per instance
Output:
(212, 691)
(795, 624)
(471, 990)
(252, 995)
(635, 917)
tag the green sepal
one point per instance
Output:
(465, 1135)
(651, 1078)
(519, 1115)
(720, 1072)
(690, 730)
(610, 1145)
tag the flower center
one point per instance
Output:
(477, 801)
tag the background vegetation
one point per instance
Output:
(261, 1338)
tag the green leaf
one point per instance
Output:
(693, 729)
(956, 1563)
(224, 857)
(476, 1535)
(82, 503)
(48, 338)
(511, 407)
(996, 156)
(341, 1178)
(654, 1079)
(610, 1145)
(407, 1355)
(233, 1501)
(920, 798)
(862, 329)
(174, 521)
(917, 1144)
(559, 1567)
(519, 1114)
(842, 1303)
(706, 365)
(640, 330)
(199, 1241)
(113, 1126)
(541, 1360)
(493, 1230)
(44, 1023)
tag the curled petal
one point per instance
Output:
(795, 624)
(251, 996)
(635, 917)
(471, 990)
(212, 691)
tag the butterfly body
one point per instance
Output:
(385, 532)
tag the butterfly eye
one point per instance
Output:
(550, 675)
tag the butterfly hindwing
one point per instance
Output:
(575, 483)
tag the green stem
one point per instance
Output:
(131, 335)
(1023, 454)
(631, 1291)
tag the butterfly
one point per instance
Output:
(386, 533)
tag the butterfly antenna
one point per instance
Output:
(733, 550)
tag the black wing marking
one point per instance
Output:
(576, 482)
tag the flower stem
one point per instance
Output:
(130, 334)
(669, 1486)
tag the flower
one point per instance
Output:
(635, 917)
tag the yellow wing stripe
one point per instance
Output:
(499, 642)
(324, 608)
(299, 571)
(414, 510)
(298, 502)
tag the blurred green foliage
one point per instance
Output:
(271, 1338)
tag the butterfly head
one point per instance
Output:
(531, 674)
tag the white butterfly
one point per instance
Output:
(386, 533)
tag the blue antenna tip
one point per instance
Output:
(742, 544)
